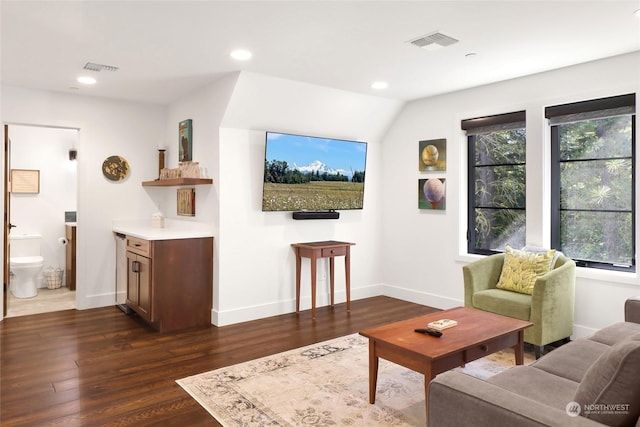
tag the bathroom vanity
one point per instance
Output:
(169, 275)
(70, 253)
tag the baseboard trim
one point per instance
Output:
(424, 298)
(86, 302)
(580, 331)
(245, 314)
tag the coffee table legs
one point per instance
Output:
(518, 349)
(373, 371)
(373, 376)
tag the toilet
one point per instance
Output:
(25, 263)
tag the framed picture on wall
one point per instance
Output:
(25, 181)
(431, 194)
(186, 201)
(185, 141)
(432, 155)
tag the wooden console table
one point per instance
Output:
(314, 250)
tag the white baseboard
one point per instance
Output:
(424, 298)
(244, 314)
(85, 302)
(580, 331)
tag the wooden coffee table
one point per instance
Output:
(477, 334)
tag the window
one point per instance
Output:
(593, 181)
(496, 182)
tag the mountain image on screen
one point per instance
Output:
(313, 174)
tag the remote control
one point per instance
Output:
(429, 331)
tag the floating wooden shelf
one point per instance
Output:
(177, 181)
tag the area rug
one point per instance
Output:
(324, 384)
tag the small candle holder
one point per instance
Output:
(161, 152)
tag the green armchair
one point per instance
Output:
(549, 308)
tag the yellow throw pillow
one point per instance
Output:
(521, 269)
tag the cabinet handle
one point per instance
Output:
(135, 267)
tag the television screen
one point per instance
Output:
(312, 174)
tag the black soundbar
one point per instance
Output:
(316, 215)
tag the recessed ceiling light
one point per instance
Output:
(241, 54)
(379, 85)
(86, 80)
(637, 13)
(471, 55)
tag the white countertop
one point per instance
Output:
(174, 229)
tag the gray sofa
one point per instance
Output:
(592, 381)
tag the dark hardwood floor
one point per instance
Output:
(101, 367)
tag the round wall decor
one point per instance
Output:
(115, 168)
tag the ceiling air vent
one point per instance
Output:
(433, 41)
(99, 67)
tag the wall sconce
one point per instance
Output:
(73, 154)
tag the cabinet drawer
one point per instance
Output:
(139, 246)
(327, 252)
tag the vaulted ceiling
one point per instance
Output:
(165, 49)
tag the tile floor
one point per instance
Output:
(47, 300)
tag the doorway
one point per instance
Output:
(45, 210)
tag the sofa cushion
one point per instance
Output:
(571, 361)
(521, 269)
(615, 333)
(632, 310)
(507, 303)
(613, 380)
(538, 385)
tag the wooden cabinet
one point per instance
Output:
(70, 264)
(139, 285)
(169, 282)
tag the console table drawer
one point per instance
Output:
(338, 251)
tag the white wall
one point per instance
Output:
(400, 251)
(206, 108)
(256, 262)
(428, 269)
(106, 127)
(47, 150)
(254, 268)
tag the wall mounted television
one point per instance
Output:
(307, 173)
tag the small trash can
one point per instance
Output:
(53, 277)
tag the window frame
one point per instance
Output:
(578, 108)
(474, 127)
